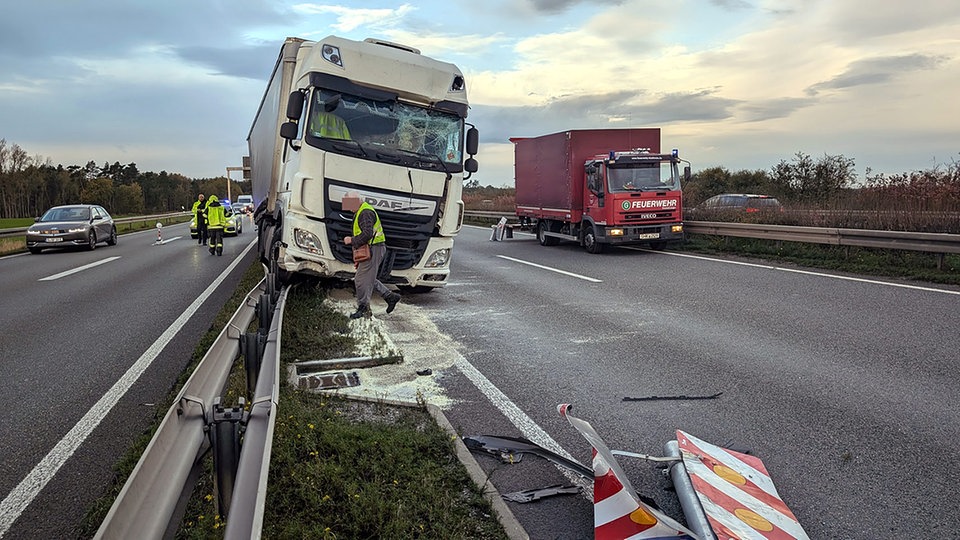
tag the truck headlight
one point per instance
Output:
(676, 228)
(438, 258)
(615, 232)
(307, 241)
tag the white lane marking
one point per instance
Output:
(528, 428)
(807, 272)
(22, 495)
(167, 240)
(78, 269)
(564, 272)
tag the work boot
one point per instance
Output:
(219, 251)
(362, 311)
(212, 251)
(392, 300)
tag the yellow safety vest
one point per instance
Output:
(329, 125)
(378, 236)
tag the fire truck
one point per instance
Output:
(600, 187)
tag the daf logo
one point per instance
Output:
(396, 206)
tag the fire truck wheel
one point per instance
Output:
(590, 241)
(543, 238)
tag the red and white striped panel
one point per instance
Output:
(736, 493)
(618, 513)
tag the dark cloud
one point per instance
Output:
(877, 70)
(757, 111)
(732, 5)
(248, 62)
(559, 6)
(498, 124)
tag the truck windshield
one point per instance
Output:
(643, 177)
(390, 131)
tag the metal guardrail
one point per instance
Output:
(152, 500)
(938, 243)
(21, 231)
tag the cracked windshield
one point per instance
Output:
(643, 176)
(387, 127)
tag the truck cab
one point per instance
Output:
(632, 197)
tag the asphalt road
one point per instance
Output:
(85, 355)
(847, 387)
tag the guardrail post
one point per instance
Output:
(252, 347)
(264, 313)
(224, 431)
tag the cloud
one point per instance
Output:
(251, 62)
(559, 6)
(873, 71)
(349, 19)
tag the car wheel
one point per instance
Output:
(91, 241)
(590, 241)
(112, 241)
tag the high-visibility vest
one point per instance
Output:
(378, 236)
(329, 125)
(216, 217)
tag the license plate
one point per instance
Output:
(648, 236)
(55, 239)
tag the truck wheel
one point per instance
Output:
(542, 238)
(590, 241)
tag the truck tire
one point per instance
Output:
(590, 241)
(545, 240)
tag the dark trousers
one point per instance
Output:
(201, 232)
(216, 239)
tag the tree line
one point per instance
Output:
(31, 185)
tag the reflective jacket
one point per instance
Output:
(200, 210)
(365, 236)
(216, 218)
(329, 125)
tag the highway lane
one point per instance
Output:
(67, 341)
(846, 388)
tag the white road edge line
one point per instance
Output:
(528, 428)
(78, 269)
(28, 489)
(807, 272)
(564, 272)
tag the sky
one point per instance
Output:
(173, 85)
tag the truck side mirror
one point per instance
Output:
(295, 105)
(686, 173)
(470, 165)
(473, 141)
(289, 130)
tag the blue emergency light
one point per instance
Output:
(676, 153)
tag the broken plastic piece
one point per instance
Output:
(510, 445)
(423, 372)
(672, 398)
(531, 495)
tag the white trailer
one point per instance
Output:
(405, 148)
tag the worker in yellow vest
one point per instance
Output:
(216, 221)
(367, 229)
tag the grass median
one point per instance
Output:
(339, 469)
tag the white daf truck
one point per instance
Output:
(369, 116)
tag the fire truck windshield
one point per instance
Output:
(387, 130)
(651, 176)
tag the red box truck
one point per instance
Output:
(598, 187)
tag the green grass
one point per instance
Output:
(902, 264)
(339, 469)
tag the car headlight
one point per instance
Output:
(307, 241)
(438, 258)
(77, 229)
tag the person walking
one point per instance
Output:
(216, 220)
(200, 214)
(367, 230)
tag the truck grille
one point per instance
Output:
(407, 236)
(668, 215)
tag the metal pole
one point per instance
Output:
(696, 518)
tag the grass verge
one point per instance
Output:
(16, 244)
(340, 469)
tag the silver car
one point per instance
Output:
(72, 225)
